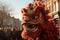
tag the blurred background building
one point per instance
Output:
(5, 18)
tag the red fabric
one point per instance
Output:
(49, 29)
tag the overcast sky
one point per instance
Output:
(16, 6)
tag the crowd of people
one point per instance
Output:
(10, 34)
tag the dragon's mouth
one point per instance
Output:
(31, 27)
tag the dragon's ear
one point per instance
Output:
(39, 3)
(30, 5)
(24, 10)
(35, 4)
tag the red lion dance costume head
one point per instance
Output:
(37, 24)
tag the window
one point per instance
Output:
(40, 0)
(54, 6)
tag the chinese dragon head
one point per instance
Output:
(37, 24)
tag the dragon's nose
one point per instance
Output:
(26, 21)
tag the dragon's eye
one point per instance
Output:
(26, 18)
(35, 17)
